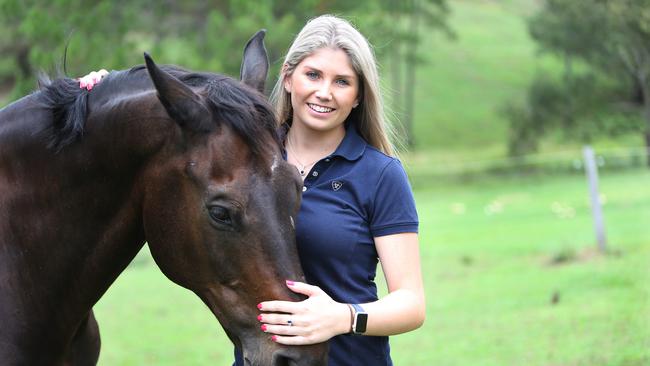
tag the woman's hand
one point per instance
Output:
(310, 321)
(91, 79)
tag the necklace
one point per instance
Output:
(303, 167)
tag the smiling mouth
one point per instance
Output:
(319, 109)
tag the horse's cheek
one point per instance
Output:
(175, 237)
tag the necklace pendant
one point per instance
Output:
(302, 173)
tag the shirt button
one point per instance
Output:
(304, 188)
(327, 160)
(315, 174)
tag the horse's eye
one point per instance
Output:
(220, 215)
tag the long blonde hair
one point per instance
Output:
(337, 33)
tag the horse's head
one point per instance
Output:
(220, 204)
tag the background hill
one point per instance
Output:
(464, 84)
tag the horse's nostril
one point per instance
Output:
(281, 360)
(297, 356)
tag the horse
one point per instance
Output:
(188, 162)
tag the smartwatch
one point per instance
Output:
(359, 319)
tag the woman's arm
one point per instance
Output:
(319, 318)
(403, 309)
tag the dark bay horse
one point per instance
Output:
(188, 162)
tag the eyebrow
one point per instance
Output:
(345, 76)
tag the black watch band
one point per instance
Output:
(359, 319)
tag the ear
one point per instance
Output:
(182, 104)
(286, 82)
(255, 65)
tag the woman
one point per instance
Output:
(357, 206)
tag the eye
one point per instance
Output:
(220, 215)
(312, 75)
(342, 82)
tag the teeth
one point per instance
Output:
(320, 109)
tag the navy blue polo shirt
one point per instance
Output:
(355, 194)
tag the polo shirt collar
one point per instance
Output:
(352, 146)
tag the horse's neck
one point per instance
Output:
(70, 222)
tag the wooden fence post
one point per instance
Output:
(592, 177)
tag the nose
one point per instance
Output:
(324, 92)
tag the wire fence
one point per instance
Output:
(562, 162)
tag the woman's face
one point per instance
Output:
(324, 88)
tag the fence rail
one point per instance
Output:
(563, 162)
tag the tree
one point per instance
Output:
(35, 34)
(610, 40)
(395, 28)
(113, 35)
(201, 35)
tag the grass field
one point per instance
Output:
(494, 256)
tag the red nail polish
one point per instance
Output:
(263, 327)
(290, 283)
(259, 306)
(259, 317)
(274, 338)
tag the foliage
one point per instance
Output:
(609, 93)
(35, 34)
(204, 35)
(582, 107)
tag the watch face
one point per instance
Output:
(362, 321)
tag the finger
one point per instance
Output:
(102, 73)
(280, 319)
(303, 288)
(279, 306)
(292, 340)
(284, 330)
(85, 82)
(95, 76)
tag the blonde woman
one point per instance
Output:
(357, 205)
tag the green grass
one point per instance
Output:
(497, 310)
(487, 253)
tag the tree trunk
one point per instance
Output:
(411, 62)
(646, 116)
(395, 57)
(22, 59)
(647, 144)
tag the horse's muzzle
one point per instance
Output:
(315, 355)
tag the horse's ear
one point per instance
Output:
(255, 65)
(181, 103)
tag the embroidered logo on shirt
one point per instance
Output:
(336, 185)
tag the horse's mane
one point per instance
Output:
(243, 109)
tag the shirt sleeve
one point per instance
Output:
(393, 206)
